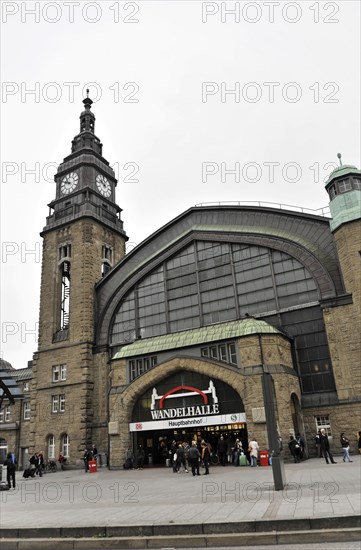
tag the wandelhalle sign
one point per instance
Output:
(200, 408)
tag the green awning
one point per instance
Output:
(194, 337)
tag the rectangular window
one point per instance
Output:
(26, 386)
(62, 372)
(2, 416)
(222, 353)
(56, 373)
(232, 354)
(7, 414)
(214, 353)
(132, 370)
(59, 373)
(204, 352)
(27, 410)
(54, 403)
(62, 403)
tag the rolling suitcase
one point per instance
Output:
(243, 460)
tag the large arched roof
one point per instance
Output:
(306, 237)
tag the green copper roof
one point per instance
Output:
(343, 170)
(345, 208)
(194, 337)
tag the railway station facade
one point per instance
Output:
(170, 341)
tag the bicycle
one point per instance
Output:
(50, 466)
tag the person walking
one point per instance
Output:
(222, 450)
(318, 444)
(238, 449)
(181, 459)
(295, 449)
(325, 447)
(10, 464)
(194, 458)
(39, 464)
(345, 444)
(88, 456)
(206, 457)
(253, 452)
(140, 456)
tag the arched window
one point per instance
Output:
(51, 446)
(65, 445)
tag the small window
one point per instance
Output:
(232, 354)
(204, 352)
(26, 386)
(154, 361)
(62, 372)
(133, 372)
(222, 353)
(54, 403)
(357, 183)
(333, 192)
(27, 410)
(344, 185)
(62, 403)
(214, 353)
(56, 373)
(65, 249)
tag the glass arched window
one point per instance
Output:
(214, 282)
(51, 446)
(65, 445)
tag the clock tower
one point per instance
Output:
(82, 239)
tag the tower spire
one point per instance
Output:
(86, 139)
(339, 156)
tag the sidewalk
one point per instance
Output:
(156, 501)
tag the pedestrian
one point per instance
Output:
(295, 449)
(325, 446)
(181, 459)
(39, 464)
(301, 443)
(88, 456)
(238, 450)
(206, 457)
(222, 450)
(140, 456)
(10, 464)
(253, 448)
(194, 458)
(61, 460)
(318, 444)
(345, 444)
(94, 451)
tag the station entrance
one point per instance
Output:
(158, 444)
(185, 407)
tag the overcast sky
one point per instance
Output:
(185, 92)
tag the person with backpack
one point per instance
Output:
(10, 464)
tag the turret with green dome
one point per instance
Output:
(344, 189)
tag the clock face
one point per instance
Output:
(103, 185)
(69, 183)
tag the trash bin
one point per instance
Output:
(150, 460)
(263, 458)
(92, 466)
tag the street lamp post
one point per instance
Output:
(271, 423)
